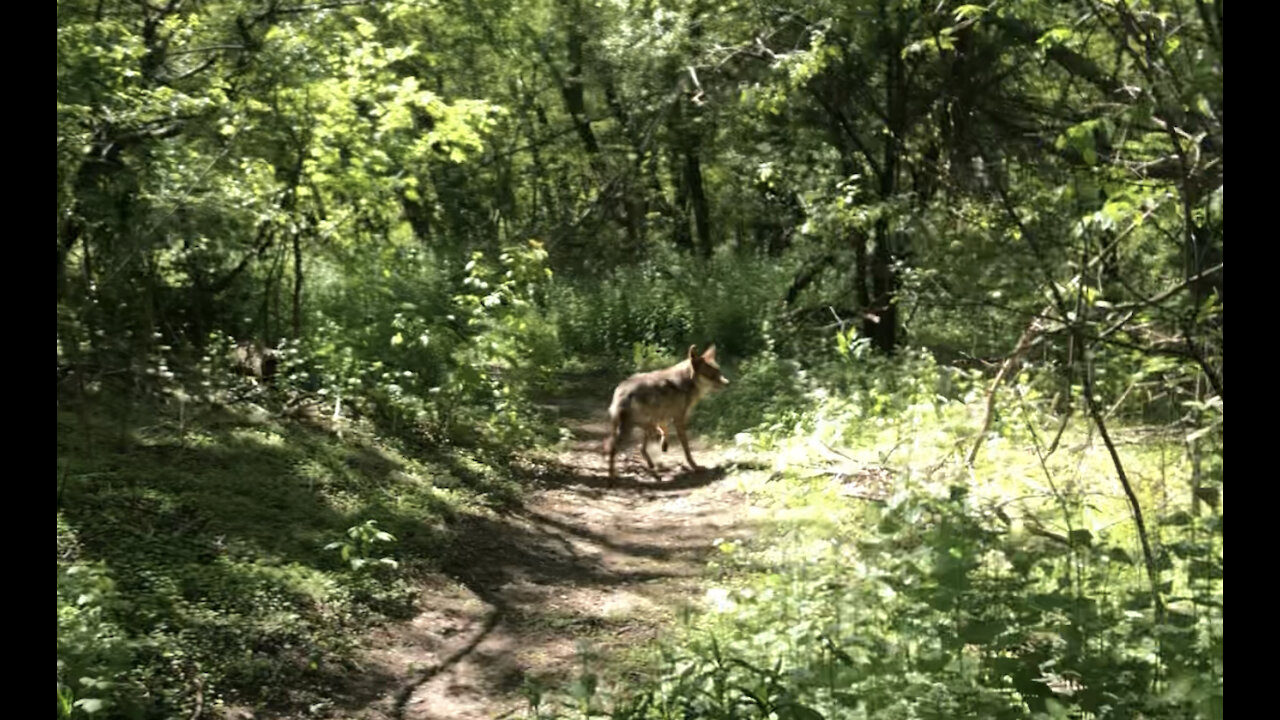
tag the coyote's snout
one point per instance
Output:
(652, 400)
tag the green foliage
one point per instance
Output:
(512, 348)
(664, 305)
(358, 550)
(846, 395)
(352, 187)
(942, 602)
(193, 560)
(769, 399)
(95, 655)
(938, 614)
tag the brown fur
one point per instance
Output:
(654, 400)
(255, 360)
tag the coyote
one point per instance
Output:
(652, 400)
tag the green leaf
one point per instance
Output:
(1056, 36)
(91, 705)
(365, 28)
(1119, 555)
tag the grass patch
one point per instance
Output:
(202, 562)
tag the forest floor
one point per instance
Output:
(580, 565)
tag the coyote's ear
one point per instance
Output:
(710, 353)
(693, 353)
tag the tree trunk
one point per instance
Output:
(698, 198)
(681, 234)
(884, 277)
(860, 270)
(297, 285)
(634, 204)
(571, 88)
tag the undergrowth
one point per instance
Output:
(895, 581)
(214, 548)
(647, 313)
(224, 539)
(235, 558)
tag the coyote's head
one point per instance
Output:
(706, 372)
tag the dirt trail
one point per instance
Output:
(579, 561)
